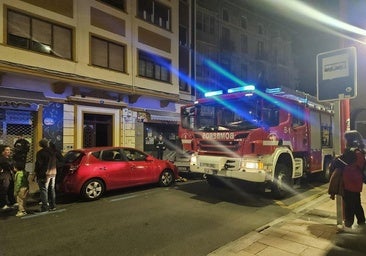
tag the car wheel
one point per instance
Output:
(93, 189)
(166, 178)
(283, 182)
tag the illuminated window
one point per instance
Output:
(38, 35)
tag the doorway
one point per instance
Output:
(97, 130)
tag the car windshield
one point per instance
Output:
(235, 116)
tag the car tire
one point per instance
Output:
(92, 189)
(166, 178)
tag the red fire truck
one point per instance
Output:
(269, 138)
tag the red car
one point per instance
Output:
(92, 171)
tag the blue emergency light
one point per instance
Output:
(213, 93)
(245, 88)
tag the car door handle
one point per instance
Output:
(103, 168)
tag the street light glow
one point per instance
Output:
(301, 10)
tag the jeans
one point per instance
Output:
(48, 193)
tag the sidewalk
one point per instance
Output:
(309, 230)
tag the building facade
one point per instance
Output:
(88, 73)
(251, 47)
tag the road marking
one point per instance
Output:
(38, 214)
(123, 198)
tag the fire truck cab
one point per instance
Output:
(269, 138)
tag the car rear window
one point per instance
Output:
(73, 156)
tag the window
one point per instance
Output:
(154, 12)
(244, 71)
(225, 15)
(205, 23)
(260, 29)
(38, 35)
(153, 66)
(243, 22)
(107, 54)
(260, 49)
(119, 4)
(183, 36)
(244, 43)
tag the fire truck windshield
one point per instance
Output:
(236, 115)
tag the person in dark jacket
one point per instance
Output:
(7, 199)
(351, 165)
(41, 165)
(160, 147)
(21, 149)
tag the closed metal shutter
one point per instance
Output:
(16, 122)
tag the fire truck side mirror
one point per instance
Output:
(280, 142)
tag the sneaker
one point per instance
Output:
(6, 207)
(16, 205)
(21, 214)
(52, 209)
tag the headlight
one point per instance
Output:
(253, 165)
(193, 160)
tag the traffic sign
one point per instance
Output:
(336, 73)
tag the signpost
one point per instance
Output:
(337, 74)
(337, 81)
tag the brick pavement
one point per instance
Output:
(309, 231)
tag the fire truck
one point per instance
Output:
(269, 138)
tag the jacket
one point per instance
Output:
(42, 161)
(20, 181)
(336, 185)
(353, 173)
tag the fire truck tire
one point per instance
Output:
(326, 173)
(282, 183)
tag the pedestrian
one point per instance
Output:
(7, 199)
(349, 167)
(21, 187)
(160, 147)
(21, 149)
(44, 176)
(59, 158)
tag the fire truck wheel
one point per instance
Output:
(283, 182)
(326, 173)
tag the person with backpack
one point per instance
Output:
(21, 149)
(347, 179)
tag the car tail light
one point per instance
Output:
(73, 168)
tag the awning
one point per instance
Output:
(164, 116)
(17, 96)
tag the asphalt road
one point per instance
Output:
(190, 218)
